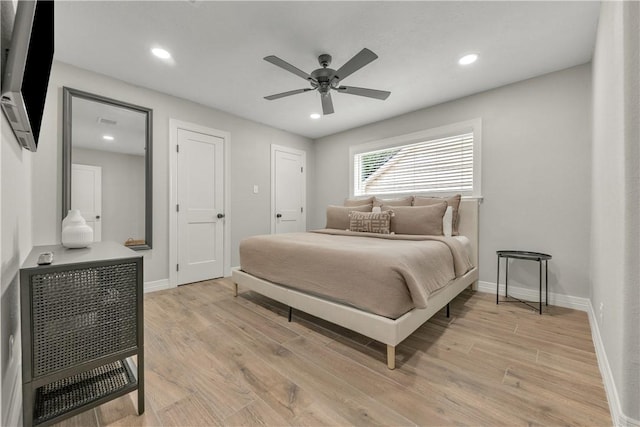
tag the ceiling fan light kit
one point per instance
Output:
(326, 79)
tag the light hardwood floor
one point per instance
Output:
(212, 359)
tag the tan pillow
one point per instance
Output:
(424, 220)
(338, 216)
(370, 222)
(402, 201)
(358, 202)
(453, 201)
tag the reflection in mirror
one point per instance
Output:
(107, 172)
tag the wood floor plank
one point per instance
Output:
(215, 359)
(162, 392)
(190, 411)
(560, 336)
(569, 364)
(556, 384)
(171, 313)
(318, 414)
(500, 398)
(256, 413)
(386, 392)
(307, 323)
(197, 372)
(523, 341)
(301, 324)
(274, 330)
(448, 393)
(350, 403)
(285, 397)
(123, 412)
(84, 419)
(552, 403)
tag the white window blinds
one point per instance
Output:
(438, 165)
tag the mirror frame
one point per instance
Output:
(67, 108)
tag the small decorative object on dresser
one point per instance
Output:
(75, 231)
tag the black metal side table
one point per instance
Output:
(526, 255)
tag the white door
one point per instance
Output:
(86, 195)
(200, 203)
(288, 184)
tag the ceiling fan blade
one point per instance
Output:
(283, 94)
(361, 59)
(286, 66)
(327, 103)
(361, 91)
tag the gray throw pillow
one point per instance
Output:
(423, 220)
(453, 201)
(338, 216)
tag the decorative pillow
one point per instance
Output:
(447, 222)
(402, 201)
(454, 202)
(358, 202)
(370, 222)
(424, 220)
(338, 216)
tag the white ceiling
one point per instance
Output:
(218, 47)
(127, 127)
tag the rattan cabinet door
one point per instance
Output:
(82, 314)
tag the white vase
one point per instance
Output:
(75, 231)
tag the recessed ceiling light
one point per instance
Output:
(108, 137)
(160, 53)
(468, 59)
(315, 116)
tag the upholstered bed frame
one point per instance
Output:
(388, 331)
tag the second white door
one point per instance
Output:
(200, 206)
(288, 182)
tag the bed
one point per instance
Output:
(407, 304)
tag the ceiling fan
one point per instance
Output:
(326, 79)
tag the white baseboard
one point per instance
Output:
(618, 418)
(561, 300)
(157, 285)
(160, 285)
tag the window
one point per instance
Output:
(443, 160)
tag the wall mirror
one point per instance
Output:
(106, 170)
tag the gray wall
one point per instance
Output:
(535, 171)
(15, 238)
(15, 234)
(250, 162)
(122, 192)
(615, 200)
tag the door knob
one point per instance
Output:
(220, 215)
(278, 215)
(97, 216)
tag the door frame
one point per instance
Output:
(174, 126)
(303, 154)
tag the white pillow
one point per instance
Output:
(447, 222)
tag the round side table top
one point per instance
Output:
(537, 256)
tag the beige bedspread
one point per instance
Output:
(383, 274)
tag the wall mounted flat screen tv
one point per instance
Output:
(26, 76)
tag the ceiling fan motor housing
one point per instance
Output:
(324, 60)
(325, 78)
